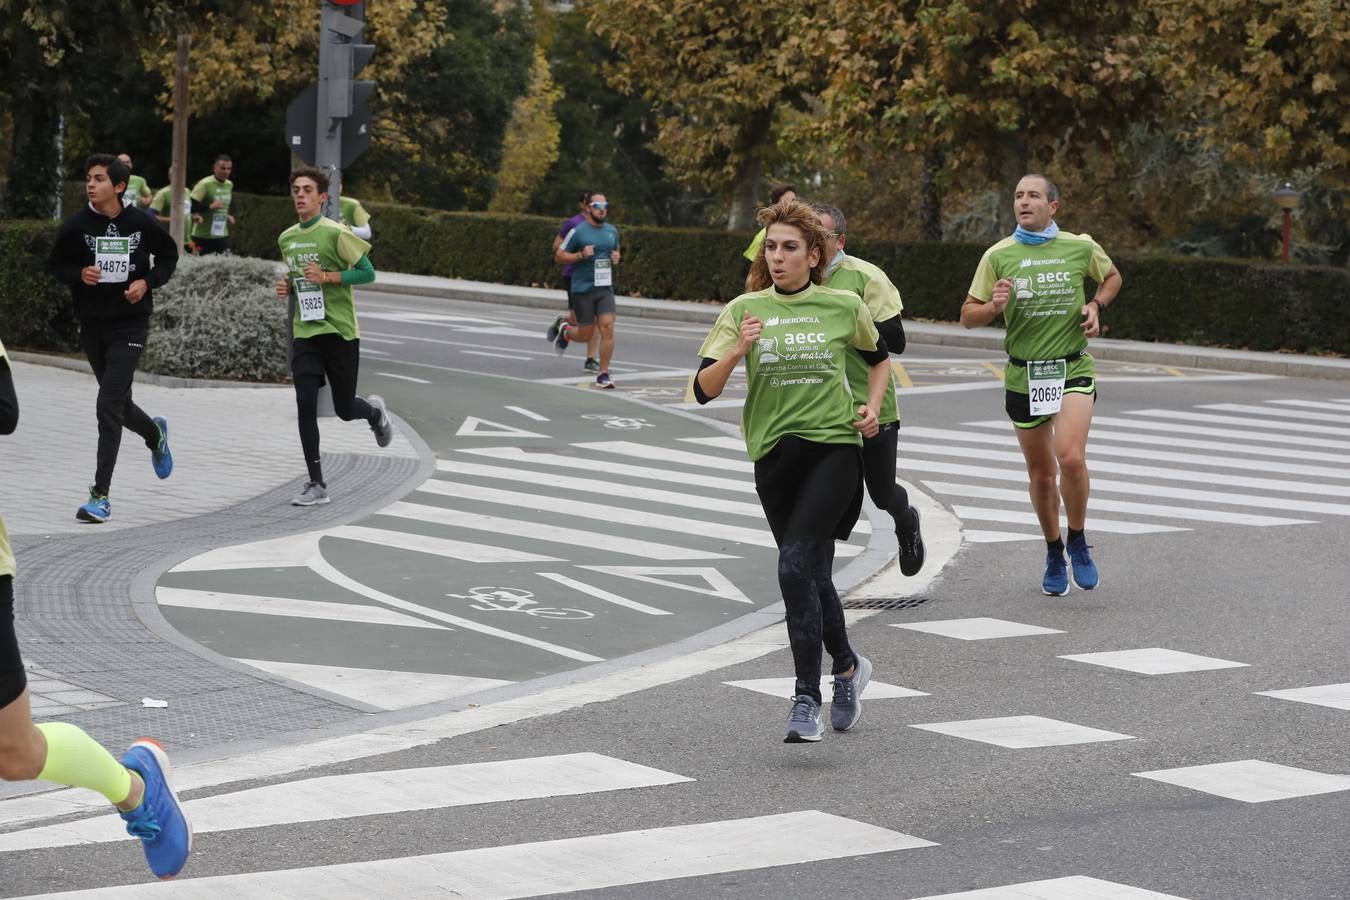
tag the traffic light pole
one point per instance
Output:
(334, 100)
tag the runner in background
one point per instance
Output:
(354, 216)
(858, 276)
(138, 193)
(62, 753)
(592, 248)
(163, 200)
(211, 217)
(804, 434)
(1034, 278)
(324, 260)
(779, 192)
(592, 363)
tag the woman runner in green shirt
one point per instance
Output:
(804, 435)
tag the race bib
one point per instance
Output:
(310, 297)
(1045, 385)
(219, 219)
(604, 272)
(112, 255)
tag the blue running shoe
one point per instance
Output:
(96, 509)
(1056, 581)
(804, 721)
(604, 381)
(160, 821)
(846, 706)
(1084, 569)
(161, 458)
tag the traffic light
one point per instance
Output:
(328, 124)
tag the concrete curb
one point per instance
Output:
(74, 364)
(917, 331)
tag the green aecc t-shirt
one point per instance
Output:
(215, 223)
(1044, 315)
(335, 248)
(795, 371)
(858, 276)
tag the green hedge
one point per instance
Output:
(1216, 302)
(35, 309)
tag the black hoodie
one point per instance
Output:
(105, 305)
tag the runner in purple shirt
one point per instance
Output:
(592, 344)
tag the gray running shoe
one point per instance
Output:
(591, 365)
(313, 494)
(384, 429)
(803, 725)
(846, 707)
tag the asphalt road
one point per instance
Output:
(994, 749)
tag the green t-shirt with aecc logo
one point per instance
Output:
(164, 199)
(215, 222)
(334, 248)
(882, 298)
(352, 212)
(795, 371)
(1044, 315)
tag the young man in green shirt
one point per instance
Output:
(1034, 278)
(352, 214)
(211, 218)
(324, 260)
(138, 193)
(882, 299)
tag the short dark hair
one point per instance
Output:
(222, 158)
(779, 190)
(834, 212)
(118, 173)
(1051, 189)
(586, 197)
(319, 176)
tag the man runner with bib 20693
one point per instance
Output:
(1035, 279)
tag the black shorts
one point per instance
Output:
(800, 505)
(212, 246)
(567, 286)
(330, 356)
(1018, 405)
(12, 677)
(594, 303)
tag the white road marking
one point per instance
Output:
(600, 594)
(719, 585)
(404, 377)
(1275, 413)
(522, 528)
(785, 688)
(371, 351)
(383, 688)
(723, 442)
(616, 515)
(584, 464)
(1074, 887)
(1247, 434)
(477, 346)
(1025, 517)
(1143, 509)
(325, 570)
(1251, 780)
(476, 427)
(274, 553)
(607, 488)
(981, 536)
(1023, 732)
(339, 797)
(548, 867)
(444, 547)
(667, 454)
(253, 604)
(1336, 405)
(280, 761)
(1223, 458)
(528, 414)
(1154, 661)
(981, 628)
(1336, 696)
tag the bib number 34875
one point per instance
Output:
(112, 255)
(1045, 385)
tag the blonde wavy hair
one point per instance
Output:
(801, 217)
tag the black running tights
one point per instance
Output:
(879, 456)
(805, 489)
(347, 405)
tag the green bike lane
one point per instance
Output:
(561, 528)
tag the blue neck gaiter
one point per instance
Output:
(1022, 236)
(834, 264)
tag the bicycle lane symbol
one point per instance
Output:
(498, 599)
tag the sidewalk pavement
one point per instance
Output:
(919, 332)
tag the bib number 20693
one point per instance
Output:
(1045, 385)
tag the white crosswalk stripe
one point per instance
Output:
(1221, 475)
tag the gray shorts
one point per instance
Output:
(593, 303)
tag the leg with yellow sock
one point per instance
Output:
(139, 785)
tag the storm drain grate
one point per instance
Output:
(885, 603)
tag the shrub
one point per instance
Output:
(219, 317)
(35, 309)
